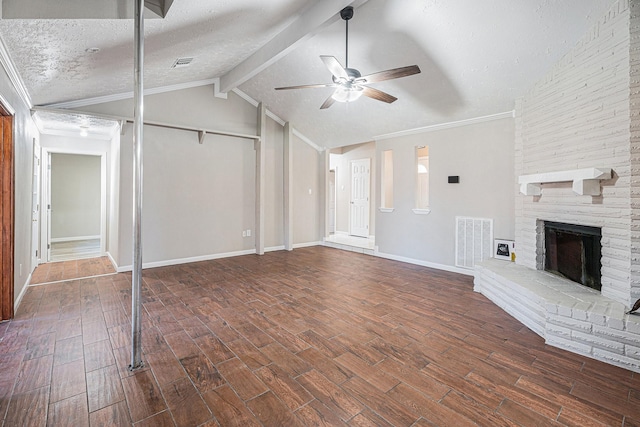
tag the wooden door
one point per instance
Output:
(6, 217)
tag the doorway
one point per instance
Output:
(75, 199)
(7, 213)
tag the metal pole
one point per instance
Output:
(138, 124)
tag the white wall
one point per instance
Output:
(199, 198)
(482, 155)
(308, 216)
(75, 196)
(24, 132)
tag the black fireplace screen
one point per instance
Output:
(574, 251)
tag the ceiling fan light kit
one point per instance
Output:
(348, 82)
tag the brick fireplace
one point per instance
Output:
(577, 161)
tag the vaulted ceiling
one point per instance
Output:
(476, 57)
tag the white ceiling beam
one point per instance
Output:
(316, 18)
(79, 9)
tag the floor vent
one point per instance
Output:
(474, 240)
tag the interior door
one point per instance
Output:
(359, 211)
(35, 207)
(6, 216)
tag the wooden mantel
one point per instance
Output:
(585, 181)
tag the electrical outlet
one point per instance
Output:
(249, 233)
(244, 233)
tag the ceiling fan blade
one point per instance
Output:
(334, 66)
(395, 73)
(306, 86)
(328, 103)
(378, 94)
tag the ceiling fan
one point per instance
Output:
(349, 83)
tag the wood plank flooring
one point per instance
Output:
(75, 249)
(316, 336)
(74, 269)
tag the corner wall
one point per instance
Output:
(481, 154)
(578, 116)
(198, 198)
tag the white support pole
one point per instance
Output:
(136, 276)
(260, 178)
(288, 187)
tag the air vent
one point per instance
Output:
(182, 62)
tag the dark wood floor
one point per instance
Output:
(74, 269)
(316, 336)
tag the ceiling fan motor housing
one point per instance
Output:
(347, 13)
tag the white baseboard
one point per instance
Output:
(437, 266)
(274, 248)
(178, 261)
(16, 304)
(112, 261)
(73, 239)
(306, 245)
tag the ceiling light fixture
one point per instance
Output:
(347, 94)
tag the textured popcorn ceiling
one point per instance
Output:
(476, 56)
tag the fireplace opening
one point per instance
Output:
(574, 251)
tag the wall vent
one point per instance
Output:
(474, 240)
(182, 62)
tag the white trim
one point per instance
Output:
(11, 70)
(179, 261)
(18, 300)
(216, 89)
(449, 125)
(255, 103)
(46, 152)
(584, 181)
(466, 272)
(421, 211)
(275, 248)
(306, 245)
(113, 262)
(75, 278)
(386, 210)
(318, 148)
(277, 119)
(128, 95)
(246, 97)
(73, 239)
(7, 106)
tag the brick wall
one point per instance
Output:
(579, 116)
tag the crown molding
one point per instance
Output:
(449, 125)
(277, 119)
(11, 70)
(128, 95)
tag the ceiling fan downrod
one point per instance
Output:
(346, 14)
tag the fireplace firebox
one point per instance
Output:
(574, 251)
